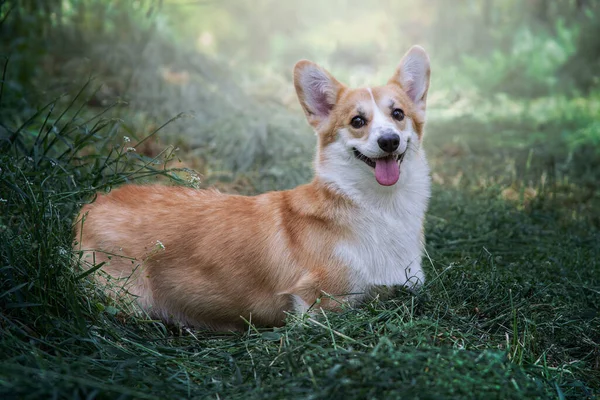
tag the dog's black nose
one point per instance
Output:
(389, 142)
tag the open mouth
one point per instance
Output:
(387, 169)
(372, 162)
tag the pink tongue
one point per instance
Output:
(387, 171)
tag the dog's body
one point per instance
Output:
(207, 259)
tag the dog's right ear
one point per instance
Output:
(317, 91)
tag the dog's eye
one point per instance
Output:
(398, 114)
(358, 122)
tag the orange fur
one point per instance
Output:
(218, 261)
(204, 258)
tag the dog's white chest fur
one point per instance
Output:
(386, 244)
(385, 250)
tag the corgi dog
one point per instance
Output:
(211, 260)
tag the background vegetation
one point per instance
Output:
(96, 93)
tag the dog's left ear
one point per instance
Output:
(413, 74)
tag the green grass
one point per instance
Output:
(510, 309)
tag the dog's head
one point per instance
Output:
(368, 132)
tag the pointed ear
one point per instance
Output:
(412, 75)
(317, 91)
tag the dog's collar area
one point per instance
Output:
(371, 162)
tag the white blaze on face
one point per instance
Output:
(387, 170)
(381, 124)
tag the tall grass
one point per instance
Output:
(50, 164)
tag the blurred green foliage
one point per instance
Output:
(511, 46)
(229, 62)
